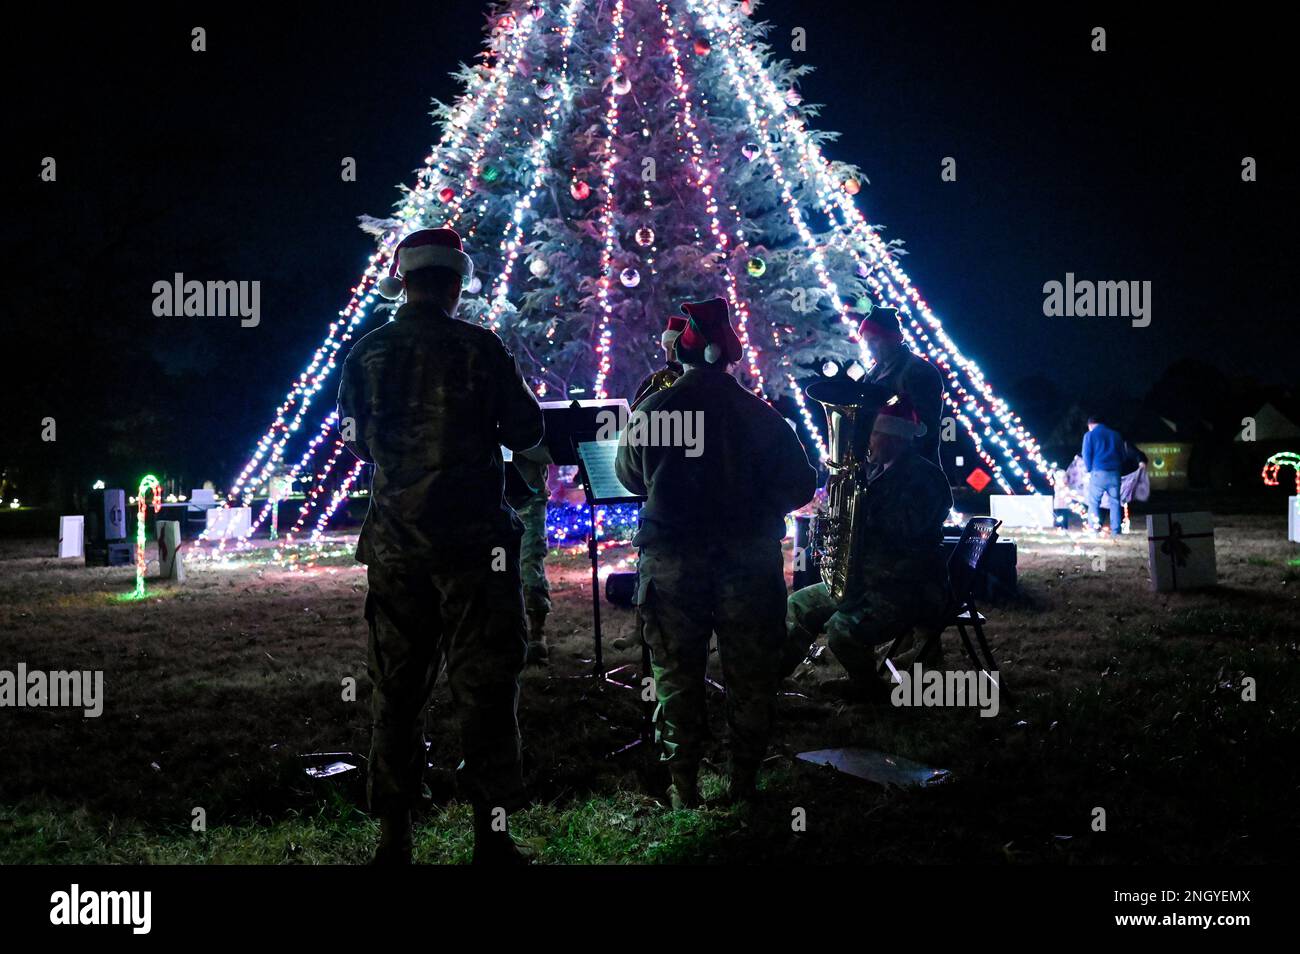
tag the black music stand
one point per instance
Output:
(602, 487)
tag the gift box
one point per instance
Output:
(1293, 520)
(72, 536)
(1180, 551)
(1023, 510)
(170, 565)
(223, 522)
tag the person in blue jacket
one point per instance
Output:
(1103, 460)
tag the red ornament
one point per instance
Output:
(702, 47)
(446, 193)
(978, 479)
(580, 190)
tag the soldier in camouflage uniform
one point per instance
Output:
(429, 400)
(530, 503)
(711, 561)
(903, 578)
(902, 371)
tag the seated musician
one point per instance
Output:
(902, 579)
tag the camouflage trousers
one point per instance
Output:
(685, 595)
(470, 621)
(532, 555)
(858, 628)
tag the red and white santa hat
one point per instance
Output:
(421, 249)
(899, 417)
(676, 325)
(709, 331)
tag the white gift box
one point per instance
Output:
(72, 536)
(170, 565)
(1293, 520)
(223, 522)
(1180, 551)
(1022, 510)
(203, 498)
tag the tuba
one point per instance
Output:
(836, 536)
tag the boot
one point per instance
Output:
(493, 846)
(538, 651)
(684, 792)
(742, 782)
(394, 839)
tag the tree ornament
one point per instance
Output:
(536, 10)
(446, 193)
(749, 150)
(545, 90)
(579, 190)
(852, 186)
(491, 173)
(538, 267)
(756, 267)
(475, 285)
(645, 236)
(792, 97)
(622, 85)
(630, 277)
(506, 24)
(702, 46)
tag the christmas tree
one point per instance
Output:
(608, 160)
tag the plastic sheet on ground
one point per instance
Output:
(879, 767)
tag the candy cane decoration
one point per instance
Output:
(1274, 465)
(149, 483)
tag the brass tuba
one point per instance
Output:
(836, 538)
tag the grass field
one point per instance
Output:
(1127, 700)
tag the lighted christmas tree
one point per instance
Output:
(606, 161)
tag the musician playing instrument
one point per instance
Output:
(672, 370)
(903, 372)
(900, 579)
(711, 561)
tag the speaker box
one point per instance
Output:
(106, 521)
(620, 588)
(110, 554)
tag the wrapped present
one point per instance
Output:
(72, 536)
(1293, 520)
(1180, 551)
(1023, 510)
(226, 522)
(170, 565)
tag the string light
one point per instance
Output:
(148, 485)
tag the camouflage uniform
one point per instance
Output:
(711, 562)
(531, 508)
(906, 372)
(903, 579)
(433, 399)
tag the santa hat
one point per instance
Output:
(709, 330)
(424, 248)
(899, 417)
(676, 325)
(880, 319)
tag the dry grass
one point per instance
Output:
(1129, 701)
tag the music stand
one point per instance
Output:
(602, 487)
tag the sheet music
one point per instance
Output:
(598, 461)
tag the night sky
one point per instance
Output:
(1116, 166)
